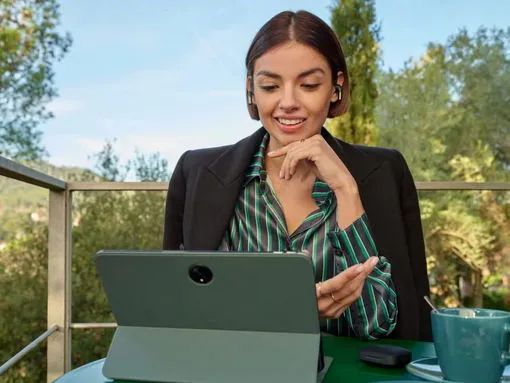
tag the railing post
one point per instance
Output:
(59, 283)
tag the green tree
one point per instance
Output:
(443, 112)
(111, 220)
(30, 43)
(413, 112)
(115, 220)
(479, 72)
(450, 102)
(23, 287)
(354, 22)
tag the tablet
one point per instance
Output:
(211, 316)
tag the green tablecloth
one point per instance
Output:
(346, 367)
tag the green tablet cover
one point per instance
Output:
(251, 318)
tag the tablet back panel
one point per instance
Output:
(256, 320)
(250, 292)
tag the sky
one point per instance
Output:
(168, 76)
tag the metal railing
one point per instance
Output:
(36, 342)
(59, 322)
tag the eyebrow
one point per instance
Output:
(301, 75)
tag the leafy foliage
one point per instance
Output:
(23, 286)
(19, 201)
(111, 220)
(354, 22)
(116, 220)
(445, 113)
(30, 43)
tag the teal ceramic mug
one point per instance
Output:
(472, 345)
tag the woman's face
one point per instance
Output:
(292, 88)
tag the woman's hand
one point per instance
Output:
(329, 168)
(335, 295)
(316, 151)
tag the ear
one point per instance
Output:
(336, 96)
(250, 99)
(340, 78)
(249, 89)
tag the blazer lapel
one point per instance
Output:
(359, 164)
(215, 192)
(215, 189)
(370, 173)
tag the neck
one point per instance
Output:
(273, 164)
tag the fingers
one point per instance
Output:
(282, 151)
(293, 157)
(333, 302)
(370, 264)
(337, 282)
(349, 289)
(318, 289)
(348, 282)
(294, 153)
(279, 152)
(332, 309)
(340, 311)
(338, 293)
(335, 311)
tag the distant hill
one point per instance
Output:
(20, 200)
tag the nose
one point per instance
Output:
(289, 100)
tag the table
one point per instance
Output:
(346, 366)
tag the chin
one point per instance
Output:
(285, 139)
(286, 135)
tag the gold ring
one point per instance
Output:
(333, 297)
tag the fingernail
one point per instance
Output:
(359, 268)
(270, 153)
(374, 261)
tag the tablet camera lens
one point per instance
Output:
(200, 274)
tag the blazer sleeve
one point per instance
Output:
(415, 245)
(174, 208)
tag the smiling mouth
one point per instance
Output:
(290, 122)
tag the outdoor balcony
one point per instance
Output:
(67, 277)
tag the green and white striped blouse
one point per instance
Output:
(258, 224)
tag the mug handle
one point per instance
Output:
(505, 357)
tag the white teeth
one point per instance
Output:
(289, 122)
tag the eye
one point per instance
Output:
(310, 86)
(268, 88)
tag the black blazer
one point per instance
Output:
(206, 183)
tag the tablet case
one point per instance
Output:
(256, 320)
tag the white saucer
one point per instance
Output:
(428, 369)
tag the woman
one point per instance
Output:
(292, 186)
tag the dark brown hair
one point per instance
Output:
(306, 28)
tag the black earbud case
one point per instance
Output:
(385, 355)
